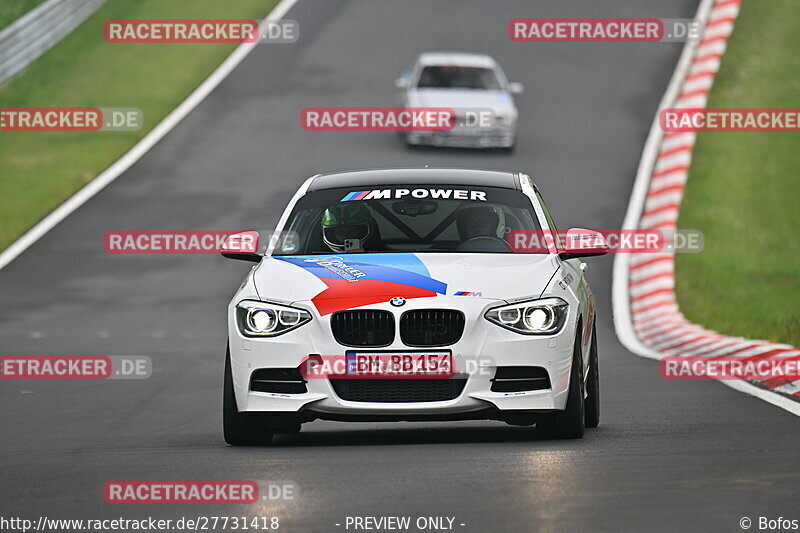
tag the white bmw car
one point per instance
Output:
(475, 87)
(406, 294)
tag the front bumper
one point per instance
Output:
(482, 348)
(495, 137)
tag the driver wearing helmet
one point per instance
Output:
(348, 228)
(477, 221)
(479, 227)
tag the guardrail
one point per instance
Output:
(37, 31)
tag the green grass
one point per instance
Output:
(11, 10)
(39, 170)
(744, 189)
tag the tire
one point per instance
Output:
(593, 385)
(571, 422)
(240, 429)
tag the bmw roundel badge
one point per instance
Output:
(398, 301)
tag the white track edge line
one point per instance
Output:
(140, 148)
(623, 324)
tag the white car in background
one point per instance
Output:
(474, 86)
(393, 266)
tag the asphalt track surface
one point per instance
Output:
(668, 455)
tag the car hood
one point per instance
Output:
(499, 102)
(335, 282)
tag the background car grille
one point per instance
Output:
(363, 328)
(520, 378)
(398, 390)
(431, 327)
(278, 380)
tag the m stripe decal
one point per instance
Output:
(355, 195)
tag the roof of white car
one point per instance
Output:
(416, 176)
(456, 59)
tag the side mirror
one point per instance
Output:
(516, 87)
(242, 246)
(583, 243)
(402, 83)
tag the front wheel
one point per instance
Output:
(240, 429)
(569, 423)
(593, 385)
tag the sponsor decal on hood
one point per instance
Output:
(366, 279)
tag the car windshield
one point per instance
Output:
(411, 218)
(449, 77)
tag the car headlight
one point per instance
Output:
(534, 317)
(263, 319)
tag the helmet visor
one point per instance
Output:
(339, 233)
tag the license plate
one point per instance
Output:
(398, 365)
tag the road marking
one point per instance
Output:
(142, 147)
(646, 316)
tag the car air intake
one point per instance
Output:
(405, 390)
(431, 327)
(520, 379)
(363, 328)
(278, 380)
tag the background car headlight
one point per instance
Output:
(534, 317)
(263, 319)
